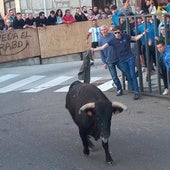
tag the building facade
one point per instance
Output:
(27, 6)
(34, 6)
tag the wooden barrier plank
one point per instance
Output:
(66, 38)
(49, 42)
(18, 44)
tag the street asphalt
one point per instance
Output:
(37, 132)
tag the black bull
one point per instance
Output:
(92, 111)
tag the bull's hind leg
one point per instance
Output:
(90, 143)
(106, 149)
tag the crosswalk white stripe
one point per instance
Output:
(20, 83)
(49, 84)
(106, 86)
(66, 88)
(7, 77)
(63, 89)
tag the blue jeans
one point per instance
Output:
(128, 68)
(113, 72)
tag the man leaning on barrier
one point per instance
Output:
(110, 58)
(121, 43)
(164, 62)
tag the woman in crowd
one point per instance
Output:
(68, 17)
(59, 16)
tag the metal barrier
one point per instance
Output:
(150, 81)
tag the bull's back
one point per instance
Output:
(71, 97)
(91, 93)
(80, 94)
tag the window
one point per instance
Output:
(9, 4)
(102, 3)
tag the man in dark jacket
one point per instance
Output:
(79, 15)
(164, 63)
(52, 18)
(30, 21)
(41, 20)
(18, 22)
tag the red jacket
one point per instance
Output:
(68, 19)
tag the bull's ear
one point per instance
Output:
(118, 107)
(117, 110)
(89, 113)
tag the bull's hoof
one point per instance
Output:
(86, 151)
(109, 160)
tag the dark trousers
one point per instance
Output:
(151, 53)
(163, 73)
(84, 72)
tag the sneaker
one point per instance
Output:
(136, 96)
(91, 63)
(119, 92)
(114, 85)
(143, 69)
(165, 92)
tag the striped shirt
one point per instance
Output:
(95, 33)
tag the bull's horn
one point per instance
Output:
(87, 106)
(118, 104)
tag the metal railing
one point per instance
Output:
(154, 84)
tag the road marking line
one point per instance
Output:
(7, 77)
(20, 83)
(49, 84)
(66, 88)
(106, 86)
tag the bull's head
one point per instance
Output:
(103, 114)
(117, 107)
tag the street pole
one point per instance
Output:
(45, 7)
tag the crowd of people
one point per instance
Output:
(118, 49)
(22, 20)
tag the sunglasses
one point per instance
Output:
(116, 32)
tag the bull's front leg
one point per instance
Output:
(106, 149)
(84, 138)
